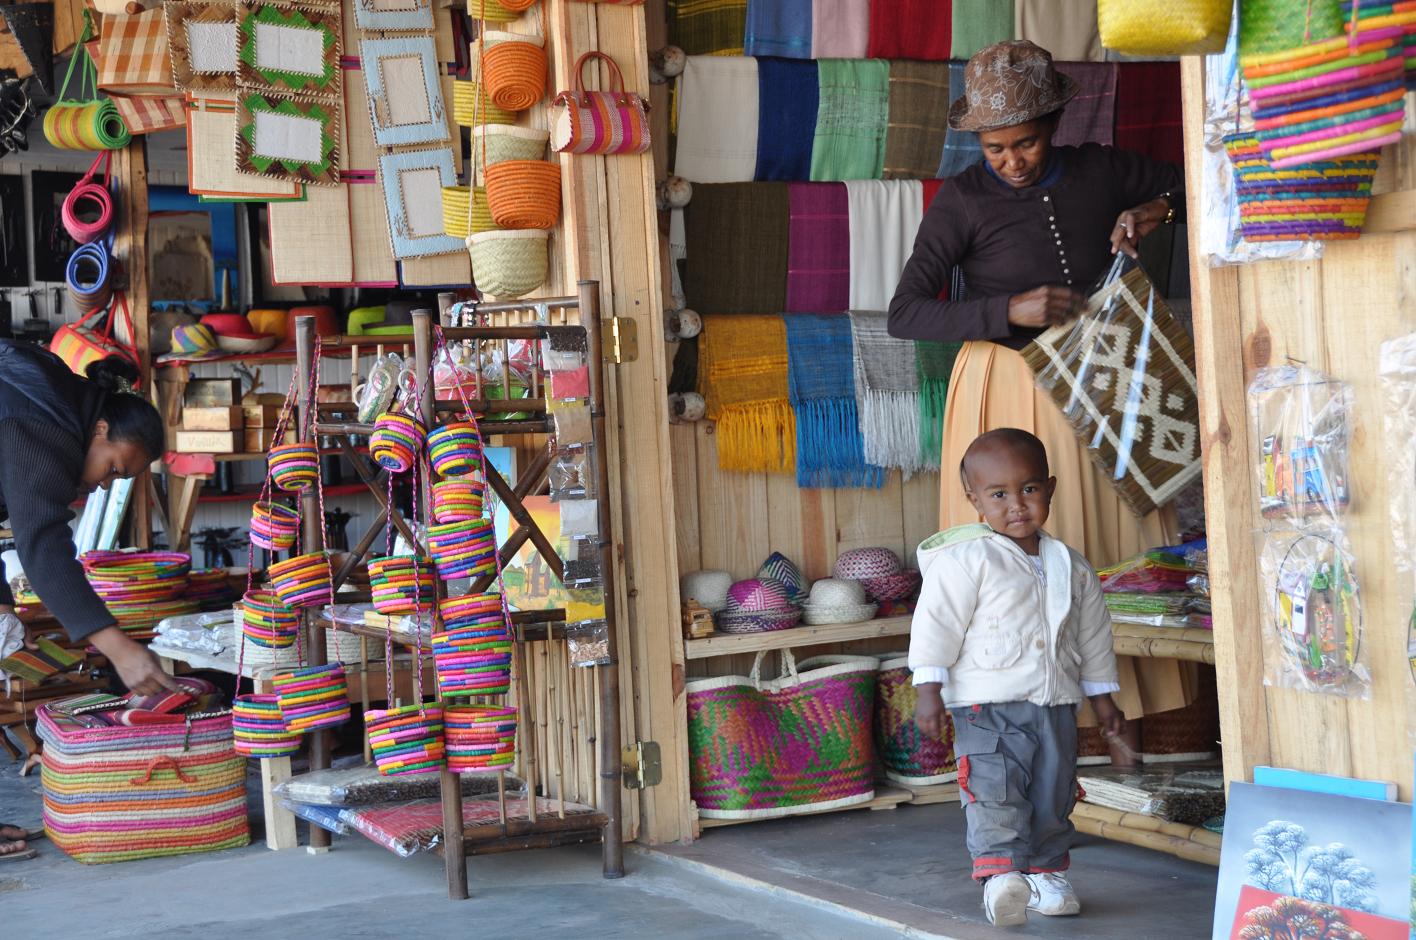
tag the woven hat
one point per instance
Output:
(709, 588)
(834, 600)
(1009, 83)
(234, 334)
(779, 567)
(757, 605)
(362, 318)
(192, 343)
(326, 323)
(862, 564)
(268, 321)
(893, 587)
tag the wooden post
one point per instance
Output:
(130, 247)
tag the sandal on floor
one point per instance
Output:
(25, 835)
(18, 856)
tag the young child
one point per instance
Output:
(1011, 632)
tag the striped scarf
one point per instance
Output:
(820, 381)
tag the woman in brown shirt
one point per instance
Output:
(1031, 229)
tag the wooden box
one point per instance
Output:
(209, 442)
(213, 419)
(257, 440)
(212, 393)
(261, 416)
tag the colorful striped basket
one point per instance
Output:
(905, 755)
(114, 794)
(763, 748)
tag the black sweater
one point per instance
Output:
(47, 414)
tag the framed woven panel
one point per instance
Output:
(211, 158)
(290, 49)
(398, 16)
(312, 243)
(453, 270)
(412, 184)
(288, 139)
(201, 44)
(404, 90)
(1124, 376)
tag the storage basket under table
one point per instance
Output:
(114, 794)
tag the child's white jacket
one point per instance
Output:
(1004, 636)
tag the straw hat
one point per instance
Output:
(235, 335)
(863, 564)
(192, 344)
(758, 605)
(893, 587)
(1009, 83)
(779, 567)
(709, 588)
(834, 600)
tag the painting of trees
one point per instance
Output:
(1295, 919)
(1283, 861)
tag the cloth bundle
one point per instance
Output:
(480, 738)
(463, 549)
(312, 698)
(821, 386)
(406, 740)
(742, 373)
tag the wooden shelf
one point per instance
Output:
(729, 644)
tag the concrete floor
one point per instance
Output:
(908, 867)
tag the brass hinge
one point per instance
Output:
(643, 766)
(620, 340)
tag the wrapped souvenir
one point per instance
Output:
(1301, 421)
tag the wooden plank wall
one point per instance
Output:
(1332, 314)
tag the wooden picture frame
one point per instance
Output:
(404, 91)
(301, 138)
(202, 29)
(412, 184)
(307, 61)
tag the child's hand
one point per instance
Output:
(1108, 717)
(929, 710)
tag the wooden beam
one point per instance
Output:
(130, 248)
(1390, 213)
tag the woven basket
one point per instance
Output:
(345, 648)
(1271, 25)
(515, 72)
(493, 11)
(906, 756)
(509, 263)
(763, 748)
(468, 111)
(1164, 27)
(114, 794)
(499, 143)
(1185, 734)
(455, 211)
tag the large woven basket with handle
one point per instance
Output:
(906, 755)
(760, 748)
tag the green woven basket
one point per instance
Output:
(1274, 25)
(509, 263)
(504, 142)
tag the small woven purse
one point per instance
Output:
(600, 122)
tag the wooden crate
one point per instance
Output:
(209, 442)
(212, 419)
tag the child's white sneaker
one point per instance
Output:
(1005, 899)
(1052, 895)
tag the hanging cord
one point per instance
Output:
(416, 401)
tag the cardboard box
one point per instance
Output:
(257, 440)
(212, 393)
(213, 419)
(261, 416)
(209, 442)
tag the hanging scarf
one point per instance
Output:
(887, 393)
(717, 120)
(737, 236)
(961, 148)
(1065, 28)
(779, 28)
(919, 117)
(1148, 112)
(910, 29)
(977, 24)
(885, 216)
(821, 383)
(935, 362)
(708, 27)
(786, 118)
(1090, 117)
(840, 29)
(851, 119)
(742, 373)
(819, 252)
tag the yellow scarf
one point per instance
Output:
(742, 373)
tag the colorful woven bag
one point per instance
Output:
(114, 794)
(1164, 27)
(905, 754)
(600, 122)
(762, 748)
(81, 344)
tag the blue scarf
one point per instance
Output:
(821, 387)
(961, 148)
(779, 27)
(786, 118)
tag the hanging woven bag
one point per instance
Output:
(81, 344)
(509, 263)
(524, 194)
(1164, 27)
(471, 107)
(600, 122)
(497, 143)
(515, 72)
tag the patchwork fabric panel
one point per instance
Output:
(404, 91)
(413, 183)
(288, 138)
(202, 45)
(290, 49)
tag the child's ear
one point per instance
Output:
(974, 500)
(1051, 487)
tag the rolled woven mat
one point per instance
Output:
(457, 501)
(258, 728)
(480, 738)
(312, 698)
(455, 449)
(93, 125)
(463, 549)
(86, 194)
(407, 739)
(509, 263)
(266, 622)
(273, 526)
(294, 467)
(303, 581)
(87, 276)
(401, 584)
(396, 441)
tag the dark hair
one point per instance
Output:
(1021, 442)
(131, 418)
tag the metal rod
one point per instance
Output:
(609, 738)
(489, 428)
(479, 405)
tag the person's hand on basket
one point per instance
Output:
(1044, 306)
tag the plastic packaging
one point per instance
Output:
(1176, 792)
(581, 559)
(200, 633)
(1301, 420)
(406, 829)
(326, 817)
(572, 420)
(572, 473)
(588, 642)
(361, 785)
(1397, 368)
(375, 395)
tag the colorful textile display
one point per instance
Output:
(406, 740)
(819, 248)
(910, 29)
(778, 28)
(258, 728)
(918, 119)
(463, 549)
(402, 584)
(978, 24)
(840, 29)
(474, 657)
(741, 228)
(906, 755)
(742, 375)
(1090, 117)
(480, 738)
(1066, 28)
(851, 117)
(312, 698)
(113, 794)
(455, 449)
(961, 148)
(266, 621)
(786, 119)
(1148, 110)
(887, 393)
(821, 387)
(884, 218)
(717, 120)
(457, 501)
(708, 27)
(303, 581)
(763, 748)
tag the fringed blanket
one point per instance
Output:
(786, 118)
(885, 218)
(851, 119)
(887, 393)
(742, 375)
(717, 120)
(919, 118)
(821, 382)
(779, 28)
(737, 237)
(819, 254)
(708, 27)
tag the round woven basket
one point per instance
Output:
(493, 11)
(500, 142)
(468, 111)
(1271, 25)
(515, 72)
(509, 263)
(524, 194)
(455, 211)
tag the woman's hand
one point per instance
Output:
(136, 665)
(1134, 224)
(1045, 306)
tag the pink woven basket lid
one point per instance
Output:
(757, 595)
(893, 587)
(862, 564)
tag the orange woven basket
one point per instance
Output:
(515, 74)
(517, 5)
(524, 193)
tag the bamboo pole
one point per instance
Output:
(1164, 649)
(526, 738)
(1160, 842)
(1141, 822)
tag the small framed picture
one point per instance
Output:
(405, 91)
(202, 45)
(413, 183)
(399, 16)
(288, 138)
(290, 49)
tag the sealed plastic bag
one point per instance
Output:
(1177, 793)
(1301, 421)
(1397, 367)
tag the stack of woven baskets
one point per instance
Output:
(880, 572)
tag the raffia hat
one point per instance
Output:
(1009, 83)
(834, 600)
(709, 588)
(758, 605)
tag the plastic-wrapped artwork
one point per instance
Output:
(1396, 364)
(1301, 419)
